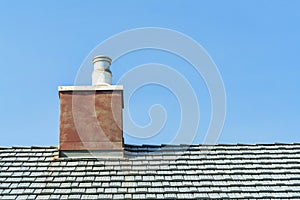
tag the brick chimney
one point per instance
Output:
(91, 116)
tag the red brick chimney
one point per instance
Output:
(91, 116)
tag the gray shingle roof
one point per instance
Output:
(150, 172)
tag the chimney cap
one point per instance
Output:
(102, 58)
(101, 74)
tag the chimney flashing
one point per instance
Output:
(117, 154)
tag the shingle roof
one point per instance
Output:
(150, 172)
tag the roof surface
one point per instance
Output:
(150, 172)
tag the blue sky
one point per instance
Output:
(255, 45)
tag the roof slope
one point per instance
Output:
(221, 171)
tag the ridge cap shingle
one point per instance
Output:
(166, 145)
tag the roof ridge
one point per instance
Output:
(28, 147)
(220, 144)
(163, 145)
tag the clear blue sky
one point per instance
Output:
(254, 43)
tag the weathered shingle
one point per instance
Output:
(154, 172)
